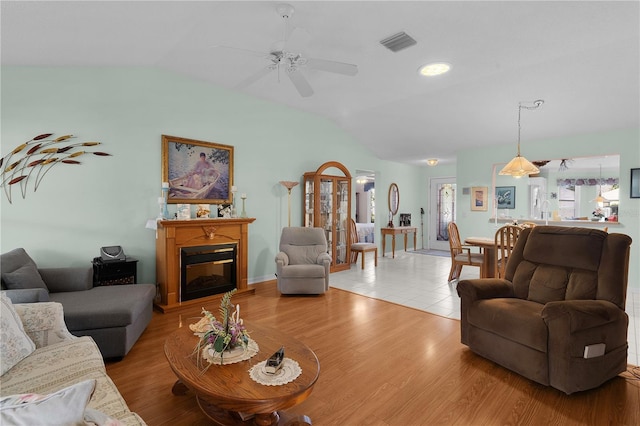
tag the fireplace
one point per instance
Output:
(207, 270)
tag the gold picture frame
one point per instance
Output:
(479, 198)
(198, 172)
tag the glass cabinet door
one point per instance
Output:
(309, 202)
(342, 220)
(326, 210)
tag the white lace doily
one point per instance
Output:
(289, 371)
(231, 357)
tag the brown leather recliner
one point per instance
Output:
(564, 289)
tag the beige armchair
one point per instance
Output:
(562, 299)
(302, 265)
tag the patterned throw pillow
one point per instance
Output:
(15, 345)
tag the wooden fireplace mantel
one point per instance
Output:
(175, 234)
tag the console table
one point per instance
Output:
(404, 230)
(115, 273)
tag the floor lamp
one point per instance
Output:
(289, 185)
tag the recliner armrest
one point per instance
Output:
(485, 288)
(282, 259)
(323, 259)
(582, 314)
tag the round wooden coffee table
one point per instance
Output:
(227, 394)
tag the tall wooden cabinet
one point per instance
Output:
(327, 205)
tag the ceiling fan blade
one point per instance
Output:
(254, 77)
(301, 83)
(332, 66)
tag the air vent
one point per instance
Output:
(398, 42)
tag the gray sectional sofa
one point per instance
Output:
(114, 316)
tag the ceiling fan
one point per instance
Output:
(291, 62)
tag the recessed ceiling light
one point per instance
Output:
(434, 69)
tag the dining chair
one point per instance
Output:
(527, 224)
(505, 241)
(357, 247)
(461, 254)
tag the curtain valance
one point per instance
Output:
(587, 181)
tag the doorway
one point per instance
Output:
(442, 210)
(365, 217)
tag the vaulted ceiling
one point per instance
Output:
(582, 58)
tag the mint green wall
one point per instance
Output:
(107, 200)
(475, 166)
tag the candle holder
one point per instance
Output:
(234, 210)
(165, 200)
(162, 207)
(244, 212)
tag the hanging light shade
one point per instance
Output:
(520, 166)
(600, 199)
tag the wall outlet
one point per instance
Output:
(592, 351)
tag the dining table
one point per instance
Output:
(488, 247)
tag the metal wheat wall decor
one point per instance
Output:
(38, 157)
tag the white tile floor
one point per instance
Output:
(420, 281)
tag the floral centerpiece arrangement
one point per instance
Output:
(598, 213)
(220, 336)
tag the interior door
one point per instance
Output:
(442, 210)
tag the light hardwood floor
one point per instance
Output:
(381, 364)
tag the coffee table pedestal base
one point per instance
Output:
(228, 418)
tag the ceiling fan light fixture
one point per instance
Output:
(285, 10)
(433, 69)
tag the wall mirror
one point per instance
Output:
(394, 199)
(576, 188)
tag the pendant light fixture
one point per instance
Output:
(599, 199)
(520, 166)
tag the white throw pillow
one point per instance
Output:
(65, 407)
(15, 345)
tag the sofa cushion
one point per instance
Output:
(15, 345)
(512, 318)
(104, 306)
(303, 271)
(303, 255)
(582, 284)
(66, 406)
(548, 284)
(15, 259)
(550, 245)
(26, 276)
